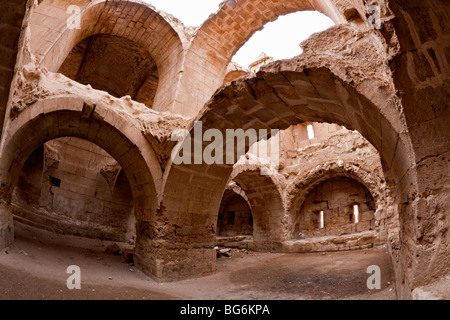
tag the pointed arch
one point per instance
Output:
(52, 39)
(73, 116)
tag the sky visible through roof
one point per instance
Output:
(279, 39)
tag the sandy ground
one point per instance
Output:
(35, 269)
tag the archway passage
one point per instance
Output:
(405, 120)
(284, 94)
(52, 39)
(335, 207)
(113, 64)
(56, 118)
(267, 207)
(235, 216)
(70, 186)
(289, 93)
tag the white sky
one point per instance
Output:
(279, 39)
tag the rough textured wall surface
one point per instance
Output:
(235, 216)
(102, 61)
(73, 187)
(335, 199)
(306, 165)
(421, 75)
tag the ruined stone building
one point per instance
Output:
(88, 110)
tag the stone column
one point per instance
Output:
(174, 253)
(6, 219)
(178, 242)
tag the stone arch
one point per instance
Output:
(284, 94)
(234, 205)
(69, 116)
(302, 186)
(71, 177)
(420, 71)
(52, 40)
(221, 36)
(267, 205)
(239, 20)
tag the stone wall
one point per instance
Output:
(330, 171)
(235, 216)
(98, 60)
(73, 187)
(335, 199)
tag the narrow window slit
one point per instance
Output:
(356, 213)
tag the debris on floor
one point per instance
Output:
(113, 249)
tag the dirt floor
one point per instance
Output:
(35, 269)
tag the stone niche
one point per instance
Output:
(336, 207)
(235, 216)
(70, 186)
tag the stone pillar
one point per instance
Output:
(6, 219)
(175, 253)
(422, 77)
(268, 230)
(178, 242)
(269, 219)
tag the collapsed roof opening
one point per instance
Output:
(281, 38)
(113, 64)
